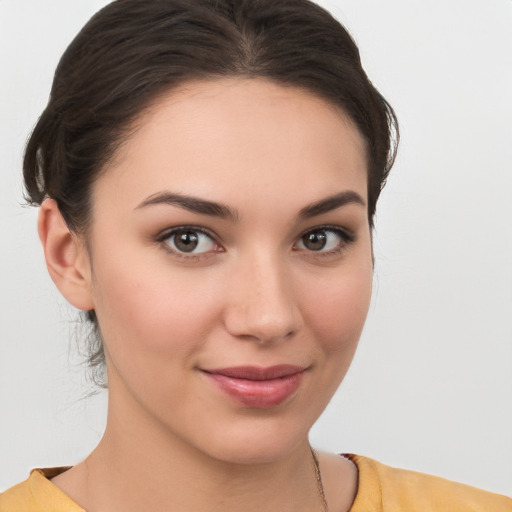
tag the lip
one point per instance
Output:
(258, 387)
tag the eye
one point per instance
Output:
(189, 241)
(325, 239)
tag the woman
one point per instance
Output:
(208, 174)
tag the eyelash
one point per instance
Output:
(166, 235)
(346, 238)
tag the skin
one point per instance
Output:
(254, 295)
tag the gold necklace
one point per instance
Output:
(319, 484)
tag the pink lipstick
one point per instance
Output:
(258, 387)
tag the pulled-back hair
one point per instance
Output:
(133, 51)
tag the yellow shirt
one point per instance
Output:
(381, 489)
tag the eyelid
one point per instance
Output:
(169, 232)
(166, 233)
(344, 232)
(346, 235)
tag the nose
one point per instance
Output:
(262, 305)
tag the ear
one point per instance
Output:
(66, 257)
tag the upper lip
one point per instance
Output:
(257, 372)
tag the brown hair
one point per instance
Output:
(132, 51)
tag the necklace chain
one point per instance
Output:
(319, 483)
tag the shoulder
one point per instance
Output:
(37, 493)
(17, 498)
(386, 489)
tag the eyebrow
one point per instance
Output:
(331, 203)
(214, 209)
(193, 204)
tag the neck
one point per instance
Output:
(139, 467)
(138, 477)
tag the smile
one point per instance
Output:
(258, 387)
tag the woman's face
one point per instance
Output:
(231, 266)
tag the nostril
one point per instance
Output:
(247, 324)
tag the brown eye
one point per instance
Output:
(315, 241)
(186, 241)
(324, 240)
(189, 241)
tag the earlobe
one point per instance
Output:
(66, 257)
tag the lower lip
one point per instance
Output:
(258, 393)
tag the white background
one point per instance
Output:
(431, 385)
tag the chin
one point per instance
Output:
(257, 442)
(257, 453)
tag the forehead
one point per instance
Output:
(234, 138)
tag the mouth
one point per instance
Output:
(258, 387)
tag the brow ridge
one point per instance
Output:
(215, 209)
(191, 203)
(331, 203)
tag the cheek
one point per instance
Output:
(334, 318)
(149, 311)
(337, 311)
